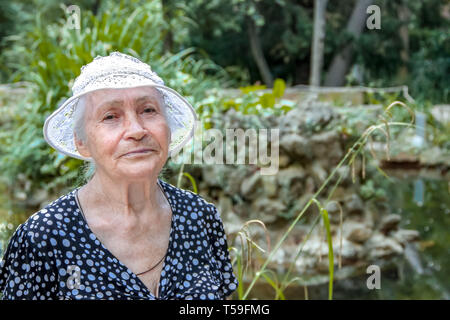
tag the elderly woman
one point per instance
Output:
(125, 234)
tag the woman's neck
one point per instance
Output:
(124, 197)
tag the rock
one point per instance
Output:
(368, 217)
(389, 222)
(267, 210)
(318, 173)
(355, 231)
(310, 186)
(242, 209)
(340, 194)
(283, 161)
(291, 121)
(308, 116)
(270, 185)
(353, 204)
(290, 181)
(322, 265)
(233, 223)
(295, 145)
(441, 113)
(286, 177)
(404, 236)
(300, 204)
(345, 172)
(326, 145)
(250, 186)
(333, 212)
(225, 205)
(350, 250)
(435, 156)
(305, 264)
(234, 180)
(325, 137)
(212, 175)
(314, 246)
(279, 257)
(379, 246)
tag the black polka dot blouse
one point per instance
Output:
(55, 255)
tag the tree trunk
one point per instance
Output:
(318, 42)
(258, 54)
(168, 37)
(342, 60)
(404, 16)
(95, 7)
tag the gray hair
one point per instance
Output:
(79, 129)
(89, 168)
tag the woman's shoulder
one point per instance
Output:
(52, 216)
(35, 232)
(187, 198)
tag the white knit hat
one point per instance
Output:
(118, 71)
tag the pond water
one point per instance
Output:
(424, 271)
(424, 204)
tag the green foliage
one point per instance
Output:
(51, 58)
(285, 28)
(219, 29)
(256, 100)
(368, 190)
(428, 65)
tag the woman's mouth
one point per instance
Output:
(140, 152)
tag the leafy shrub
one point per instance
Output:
(51, 57)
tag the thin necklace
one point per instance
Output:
(82, 213)
(138, 274)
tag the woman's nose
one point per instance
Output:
(134, 129)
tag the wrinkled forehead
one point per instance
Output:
(102, 98)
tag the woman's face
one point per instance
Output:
(120, 121)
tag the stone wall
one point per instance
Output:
(310, 148)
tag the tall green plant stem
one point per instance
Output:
(359, 143)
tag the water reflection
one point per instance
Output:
(419, 190)
(423, 272)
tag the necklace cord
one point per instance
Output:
(138, 274)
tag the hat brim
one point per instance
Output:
(58, 127)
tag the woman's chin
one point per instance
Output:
(139, 171)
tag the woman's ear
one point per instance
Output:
(81, 146)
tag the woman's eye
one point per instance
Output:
(109, 117)
(149, 110)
